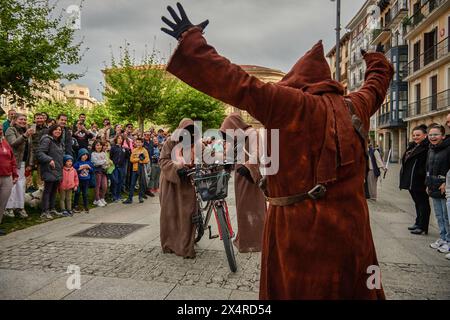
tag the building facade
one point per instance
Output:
(428, 70)
(344, 60)
(391, 127)
(80, 95)
(360, 28)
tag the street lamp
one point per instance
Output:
(338, 39)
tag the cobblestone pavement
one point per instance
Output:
(410, 269)
(208, 269)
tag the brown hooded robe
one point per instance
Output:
(250, 200)
(314, 249)
(178, 204)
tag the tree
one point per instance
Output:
(190, 103)
(33, 45)
(136, 90)
(93, 115)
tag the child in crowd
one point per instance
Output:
(138, 158)
(85, 170)
(155, 170)
(100, 161)
(69, 182)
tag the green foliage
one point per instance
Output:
(33, 45)
(190, 103)
(136, 90)
(93, 115)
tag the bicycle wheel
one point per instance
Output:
(199, 229)
(226, 238)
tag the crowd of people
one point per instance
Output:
(425, 174)
(54, 157)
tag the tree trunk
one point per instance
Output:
(141, 123)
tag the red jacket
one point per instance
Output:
(8, 166)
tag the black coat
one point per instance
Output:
(413, 171)
(49, 149)
(438, 165)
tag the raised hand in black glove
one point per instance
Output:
(181, 24)
(380, 48)
(243, 171)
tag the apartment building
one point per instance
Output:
(343, 61)
(428, 70)
(80, 95)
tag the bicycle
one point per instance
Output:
(211, 189)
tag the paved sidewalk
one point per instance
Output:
(34, 261)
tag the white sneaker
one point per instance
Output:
(445, 248)
(46, 215)
(23, 213)
(99, 203)
(95, 203)
(447, 256)
(104, 201)
(437, 244)
(9, 213)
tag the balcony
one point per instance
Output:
(434, 104)
(379, 36)
(427, 12)
(399, 11)
(427, 60)
(392, 119)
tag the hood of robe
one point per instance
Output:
(234, 121)
(312, 74)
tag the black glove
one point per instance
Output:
(142, 157)
(180, 25)
(182, 173)
(243, 171)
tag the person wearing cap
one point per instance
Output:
(68, 184)
(317, 240)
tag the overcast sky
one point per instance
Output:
(267, 33)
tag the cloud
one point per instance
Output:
(268, 33)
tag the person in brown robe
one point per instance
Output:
(178, 202)
(250, 200)
(312, 249)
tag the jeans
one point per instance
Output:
(49, 195)
(6, 186)
(447, 193)
(440, 209)
(83, 189)
(117, 180)
(134, 177)
(423, 209)
(154, 176)
(65, 200)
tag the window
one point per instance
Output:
(71, 92)
(82, 93)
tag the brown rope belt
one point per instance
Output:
(318, 192)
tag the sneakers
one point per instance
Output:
(66, 213)
(86, 210)
(104, 202)
(141, 200)
(99, 203)
(23, 213)
(46, 215)
(56, 213)
(9, 213)
(3, 233)
(76, 210)
(438, 244)
(128, 201)
(445, 248)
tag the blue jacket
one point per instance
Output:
(84, 174)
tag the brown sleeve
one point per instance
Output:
(168, 166)
(377, 79)
(199, 65)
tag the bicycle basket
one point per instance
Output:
(213, 186)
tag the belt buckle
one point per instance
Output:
(317, 192)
